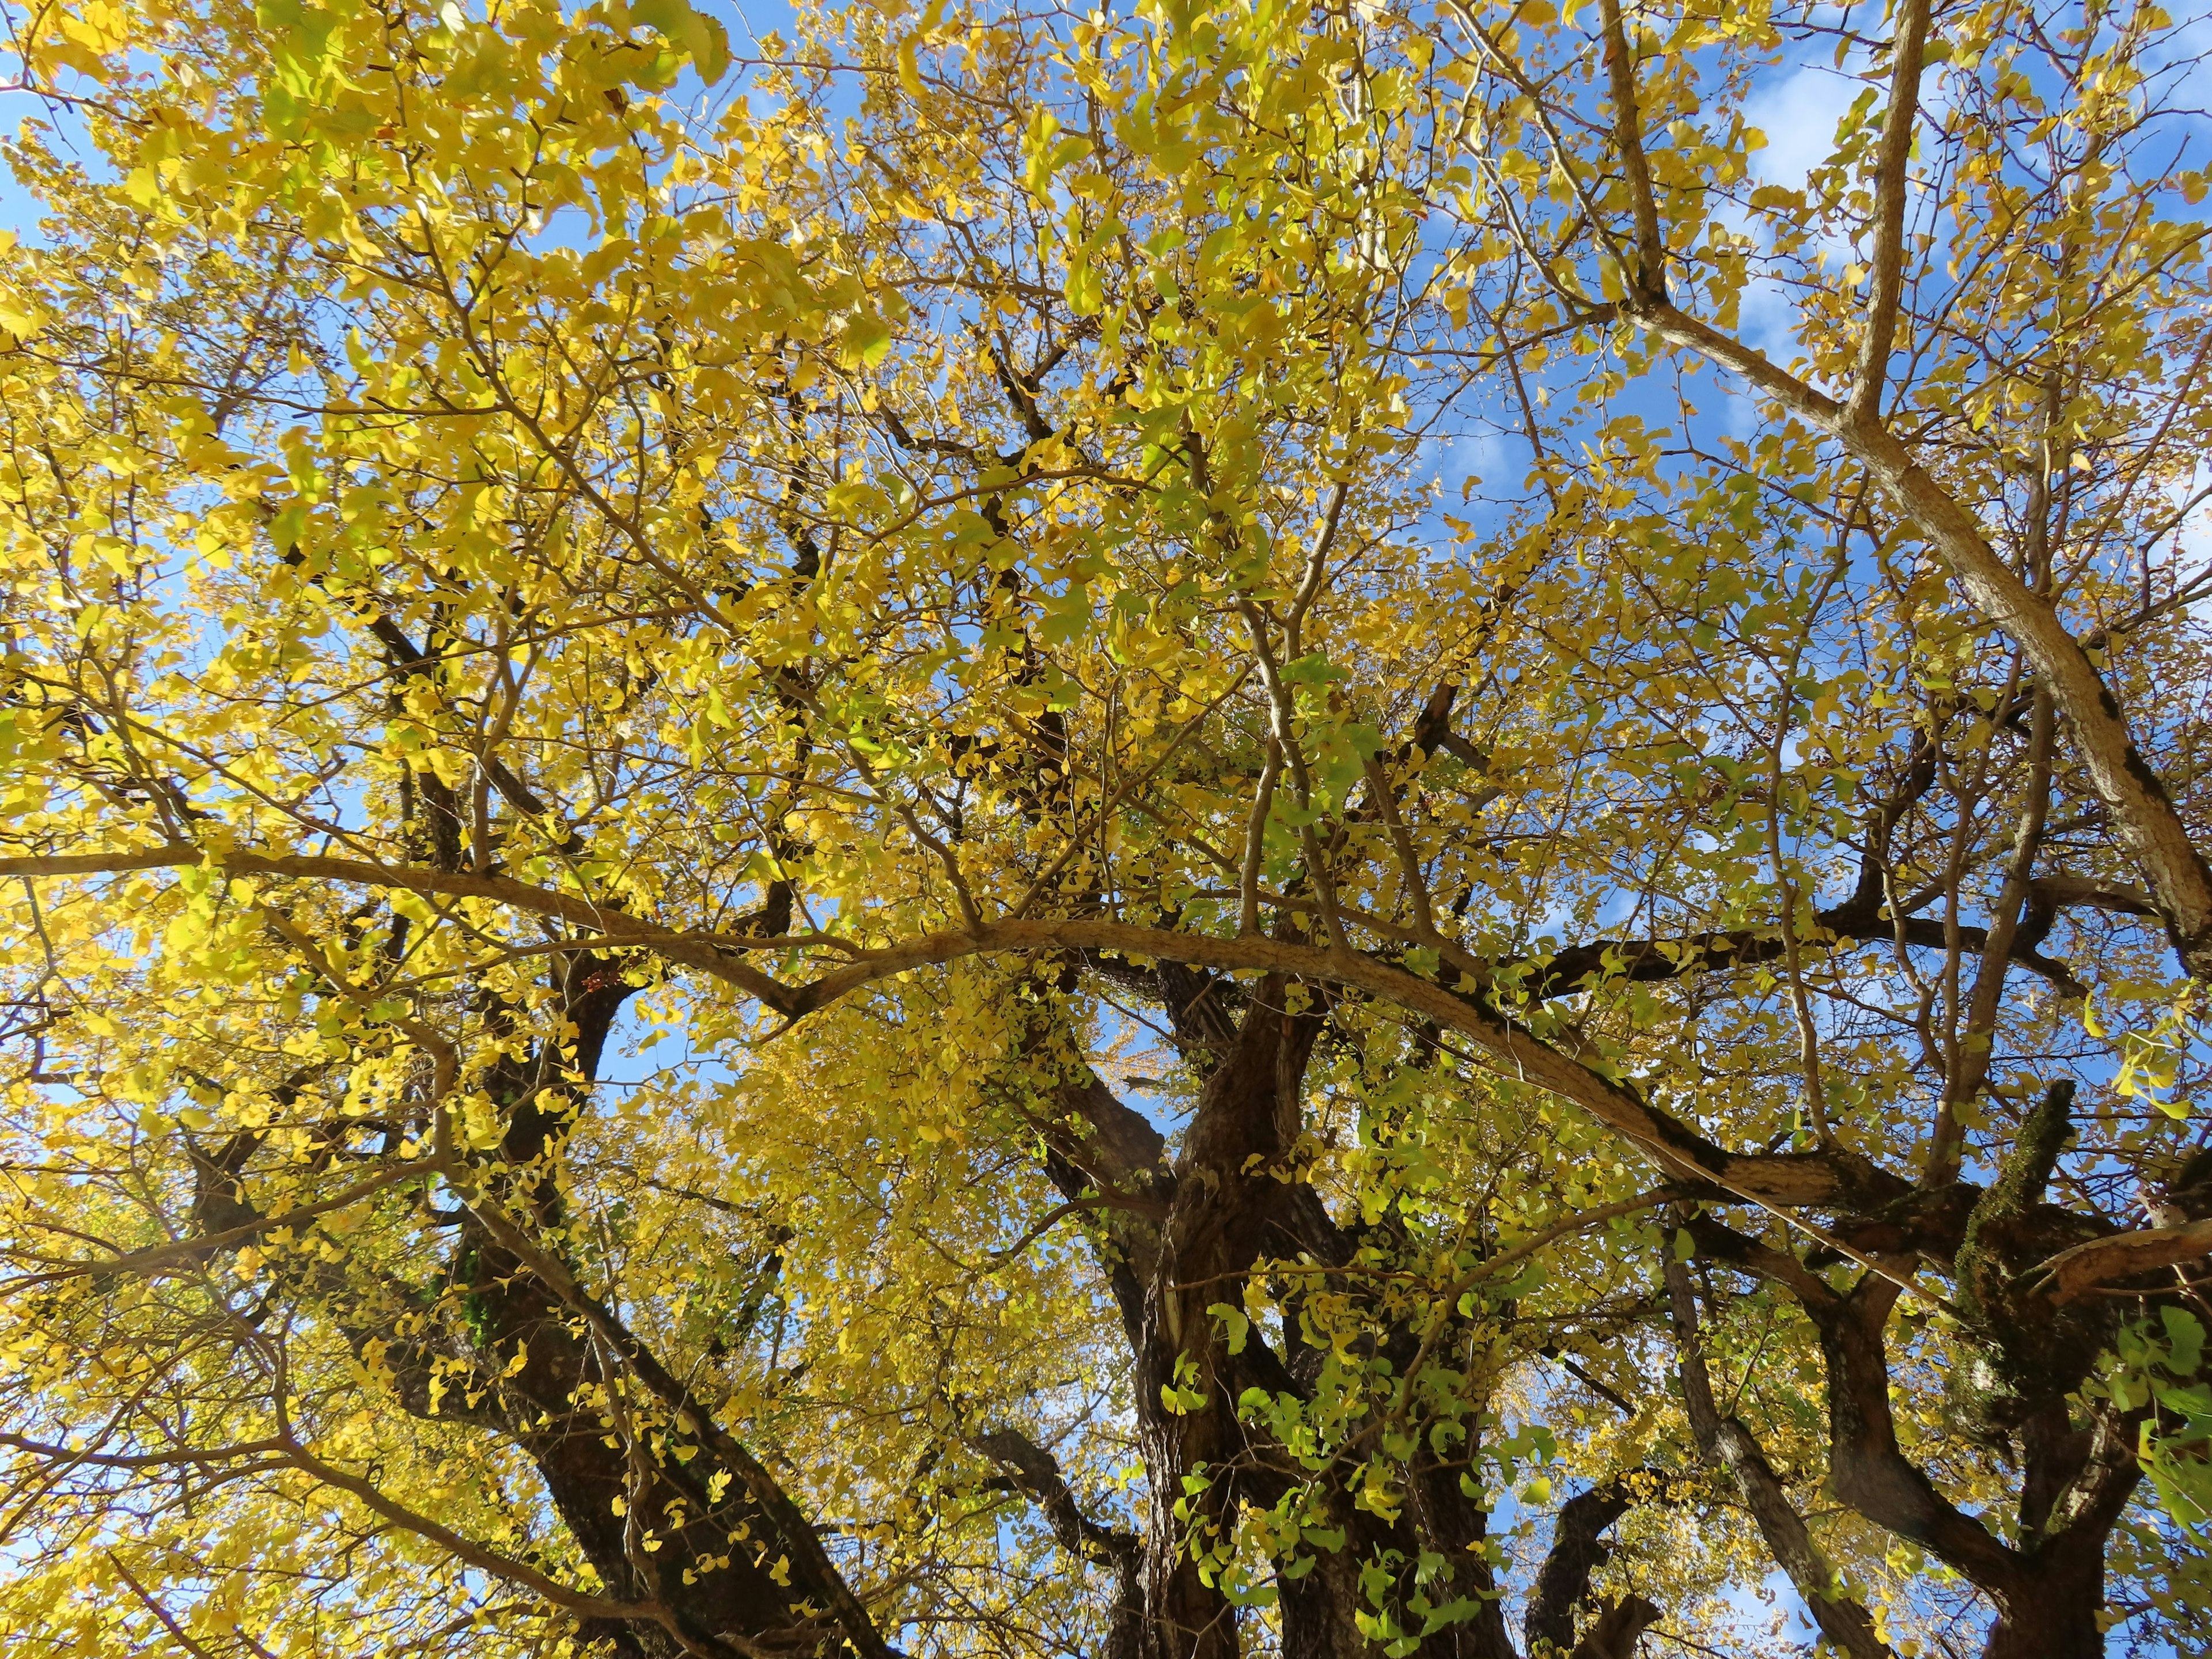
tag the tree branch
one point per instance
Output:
(1728, 1445)
(1892, 177)
(2142, 813)
(1648, 280)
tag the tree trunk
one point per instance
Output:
(1179, 1237)
(2050, 1612)
(2075, 1482)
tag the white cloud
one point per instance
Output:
(1797, 107)
(1767, 319)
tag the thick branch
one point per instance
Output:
(1578, 1549)
(2075, 1272)
(1728, 1445)
(1868, 1469)
(2143, 814)
(1890, 181)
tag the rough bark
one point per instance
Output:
(1222, 1219)
(2074, 1460)
(2037, 1351)
(1177, 1238)
(526, 1367)
(1615, 1634)
(2075, 1480)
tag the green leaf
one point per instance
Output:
(1313, 668)
(867, 339)
(705, 39)
(2187, 1337)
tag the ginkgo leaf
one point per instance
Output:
(1203, 830)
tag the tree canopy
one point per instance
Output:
(1269, 828)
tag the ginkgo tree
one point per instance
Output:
(1159, 833)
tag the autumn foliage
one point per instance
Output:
(1325, 829)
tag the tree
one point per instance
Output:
(925, 568)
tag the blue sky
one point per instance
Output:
(1797, 106)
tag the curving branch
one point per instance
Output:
(1832, 1178)
(1892, 178)
(1037, 1473)
(1578, 1550)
